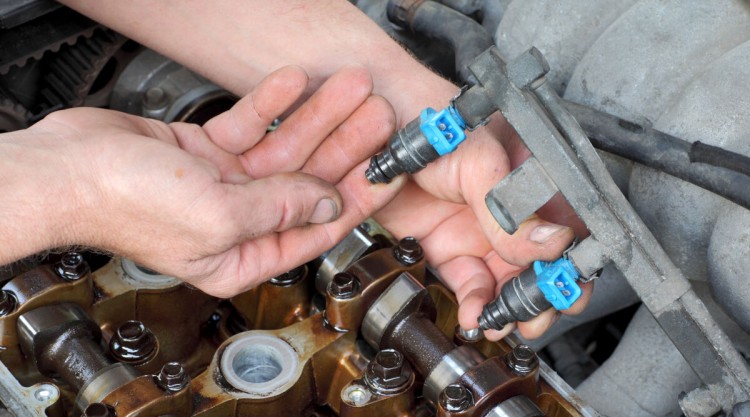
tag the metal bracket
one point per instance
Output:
(564, 160)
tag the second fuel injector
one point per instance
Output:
(544, 285)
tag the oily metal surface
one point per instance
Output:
(330, 360)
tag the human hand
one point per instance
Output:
(445, 206)
(473, 255)
(222, 207)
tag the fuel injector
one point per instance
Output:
(423, 140)
(544, 285)
(434, 134)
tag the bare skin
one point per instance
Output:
(171, 198)
(236, 42)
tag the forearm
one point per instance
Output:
(236, 42)
(39, 208)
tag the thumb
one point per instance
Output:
(281, 202)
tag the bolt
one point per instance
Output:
(408, 251)
(46, 393)
(357, 395)
(173, 377)
(72, 267)
(456, 398)
(288, 278)
(133, 343)
(387, 364)
(99, 410)
(522, 360)
(7, 303)
(274, 125)
(470, 335)
(343, 286)
(154, 98)
(387, 373)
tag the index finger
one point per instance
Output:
(245, 124)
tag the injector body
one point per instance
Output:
(420, 142)
(545, 285)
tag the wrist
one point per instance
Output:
(42, 204)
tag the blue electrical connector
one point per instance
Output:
(423, 140)
(544, 285)
(557, 281)
(444, 130)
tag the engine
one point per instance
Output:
(367, 328)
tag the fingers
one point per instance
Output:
(538, 325)
(477, 281)
(195, 140)
(287, 148)
(360, 200)
(534, 240)
(241, 127)
(256, 260)
(414, 212)
(474, 282)
(473, 285)
(580, 305)
(357, 139)
(467, 175)
(281, 202)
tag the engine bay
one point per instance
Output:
(368, 327)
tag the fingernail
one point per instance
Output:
(542, 233)
(325, 211)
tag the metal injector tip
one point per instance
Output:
(375, 173)
(486, 321)
(520, 300)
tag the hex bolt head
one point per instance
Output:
(456, 398)
(522, 360)
(289, 278)
(343, 286)
(172, 377)
(408, 251)
(387, 364)
(99, 410)
(387, 373)
(133, 343)
(7, 303)
(72, 267)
